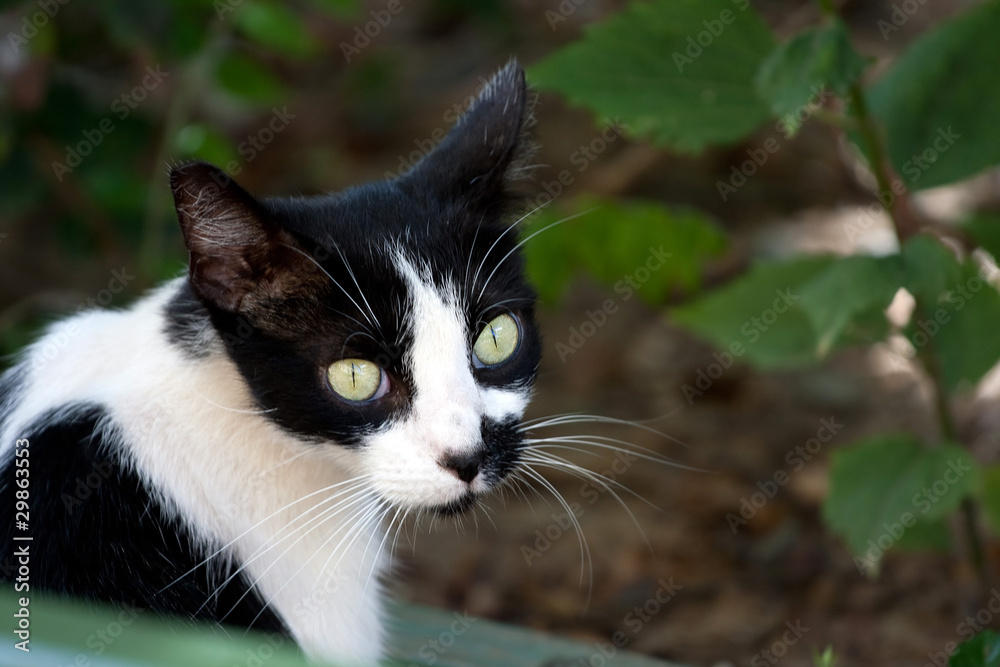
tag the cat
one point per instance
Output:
(239, 444)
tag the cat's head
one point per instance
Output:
(391, 321)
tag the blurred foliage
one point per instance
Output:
(631, 247)
(683, 73)
(980, 651)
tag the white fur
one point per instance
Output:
(190, 430)
(405, 459)
(224, 470)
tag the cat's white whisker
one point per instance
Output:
(258, 524)
(334, 281)
(525, 240)
(512, 226)
(586, 560)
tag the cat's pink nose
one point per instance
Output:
(465, 465)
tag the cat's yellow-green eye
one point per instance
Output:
(497, 341)
(356, 379)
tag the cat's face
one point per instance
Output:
(391, 322)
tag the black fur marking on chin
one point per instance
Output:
(456, 507)
(83, 493)
(503, 442)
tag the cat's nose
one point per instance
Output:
(465, 465)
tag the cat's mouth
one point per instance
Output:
(460, 505)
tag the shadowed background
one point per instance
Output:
(98, 99)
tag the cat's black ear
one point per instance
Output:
(489, 147)
(238, 253)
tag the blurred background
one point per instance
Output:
(98, 99)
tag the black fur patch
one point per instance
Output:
(99, 534)
(293, 285)
(187, 323)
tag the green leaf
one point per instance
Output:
(930, 269)
(990, 495)
(276, 27)
(984, 228)
(678, 71)
(206, 143)
(926, 535)
(798, 70)
(936, 103)
(954, 306)
(852, 288)
(758, 315)
(960, 317)
(635, 247)
(882, 487)
(983, 650)
(246, 78)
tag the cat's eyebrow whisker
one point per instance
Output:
(350, 272)
(334, 281)
(504, 233)
(525, 240)
(468, 261)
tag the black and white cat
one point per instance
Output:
(238, 444)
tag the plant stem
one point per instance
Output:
(893, 195)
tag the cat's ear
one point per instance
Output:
(238, 254)
(489, 147)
